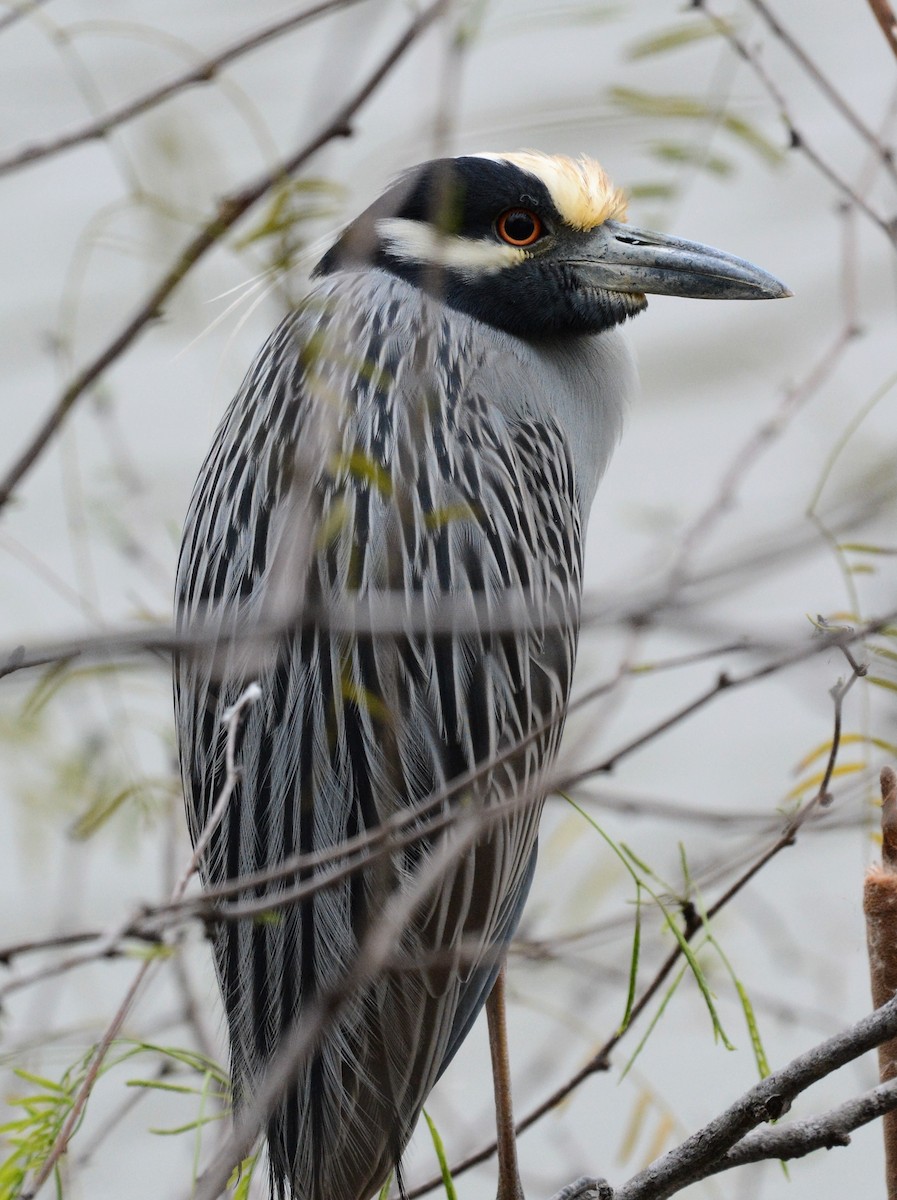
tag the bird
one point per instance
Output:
(387, 537)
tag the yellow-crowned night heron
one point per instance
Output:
(415, 449)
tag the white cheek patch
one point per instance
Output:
(417, 242)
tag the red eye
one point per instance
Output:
(519, 227)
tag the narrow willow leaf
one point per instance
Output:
(60, 675)
(665, 1127)
(103, 809)
(41, 1081)
(746, 1006)
(813, 781)
(847, 739)
(161, 1086)
(877, 680)
(883, 652)
(653, 191)
(631, 854)
(624, 854)
(675, 38)
(633, 962)
(643, 866)
(675, 105)
(652, 104)
(700, 979)
(661, 1009)
(866, 548)
(242, 1177)
(609, 840)
(634, 1126)
(295, 202)
(188, 1127)
(753, 1029)
(751, 136)
(444, 1169)
(197, 1062)
(689, 154)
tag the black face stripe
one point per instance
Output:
(537, 292)
(460, 196)
(465, 196)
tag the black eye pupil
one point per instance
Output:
(520, 226)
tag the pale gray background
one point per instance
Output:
(91, 540)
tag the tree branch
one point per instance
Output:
(232, 719)
(884, 14)
(203, 72)
(815, 1133)
(231, 208)
(701, 1154)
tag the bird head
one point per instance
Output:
(533, 244)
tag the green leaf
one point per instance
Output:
(847, 739)
(675, 38)
(242, 1177)
(188, 1127)
(753, 1029)
(675, 105)
(296, 201)
(444, 1170)
(625, 855)
(877, 680)
(105, 807)
(41, 1081)
(746, 1007)
(652, 1024)
(162, 1086)
(633, 962)
(692, 155)
(866, 548)
(652, 191)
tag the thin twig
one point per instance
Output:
(600, 1061)
(797, 139)
(24, 9)
(770, 431)
(884, 154)
(232, 720)
(375, 952)
(884, 14)
(230, 210)
(203, 72)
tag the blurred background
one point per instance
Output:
(751, 501)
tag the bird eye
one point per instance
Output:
(519, 227)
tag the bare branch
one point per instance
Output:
(600, 1061)
(798, 139)
(203, 72)
(825, 85)
(23, 9)
(231, 208)
(829, 1129)
(232, 719)
(699, 1155)
(884, 14)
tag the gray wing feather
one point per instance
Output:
(373, 474)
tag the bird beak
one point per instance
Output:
(621, 258)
